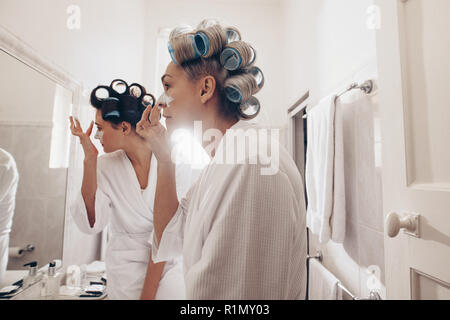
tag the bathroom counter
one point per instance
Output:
(34, 292)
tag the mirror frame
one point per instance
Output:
(20, 50)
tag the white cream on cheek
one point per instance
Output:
(98, 135)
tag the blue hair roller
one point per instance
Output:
(202, 44)
(172, 53)
(195, 54)
(231, 59)
(114, 113)
(233, 93)
(111, 99)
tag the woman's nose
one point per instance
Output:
(161, 104)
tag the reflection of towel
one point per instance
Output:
(325, 180)
(323, 285)
(319, 168)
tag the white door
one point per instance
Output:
(413, 48)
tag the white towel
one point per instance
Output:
(323, 285)
(338, 214)
(325, 179)
(320, 168)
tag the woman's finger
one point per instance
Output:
(72, 125)
(154, 116)
(78, 124)
(89, 130)
(145, 114)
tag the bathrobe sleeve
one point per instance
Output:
(252, 239)
(102, 206)
(171, 244)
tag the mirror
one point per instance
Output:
(34, 130)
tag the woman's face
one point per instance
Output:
(186, 106)
(111, 139)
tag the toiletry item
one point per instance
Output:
(58, 265)
(69, 291)
(95, 289)
(96, 268)
(83, 276)
(51, 282)
(104, 278)
(33, 275)
(73, 276)
(8, 291)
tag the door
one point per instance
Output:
(413, 48)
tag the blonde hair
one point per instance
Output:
(214, 50)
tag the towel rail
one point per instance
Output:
(374, 295)
(367, 87)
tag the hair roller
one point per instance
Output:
(137, 91)
(210, 41)
(249, 109)
(99, 94)
(241, 87)
(182, 48)
(237, 55)
(119, 87)
(232, 34)
(148, 100)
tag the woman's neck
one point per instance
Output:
(216, 123)
(138, 151)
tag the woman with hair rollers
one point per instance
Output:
(118, 190)
(242, 233)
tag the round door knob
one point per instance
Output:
(394, 223)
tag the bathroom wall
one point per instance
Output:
(327, 46)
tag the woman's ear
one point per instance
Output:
(126, 128)
(208, 87)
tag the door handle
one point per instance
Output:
(408, 222)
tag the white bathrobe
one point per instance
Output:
(9, 179)
(242, 234)
(128, 210)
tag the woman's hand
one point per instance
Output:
(155, 134)
(90, 151)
